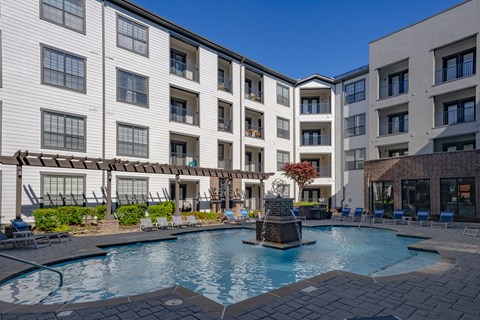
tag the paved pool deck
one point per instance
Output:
(449, 290)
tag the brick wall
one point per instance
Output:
(279, 206)
(436, 166)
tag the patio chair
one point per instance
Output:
(397, 217)
(296, 213)
(25, 239)
(446, 218)
(245, 216)
(378, 215)
(192, 221)
(470, 232)
(422, 218)
(230, 217)
(177, 221)
(357, 214)
(162, 222)
(147, 225)
(345, 214)
(22, 229)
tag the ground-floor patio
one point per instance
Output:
(448, 290)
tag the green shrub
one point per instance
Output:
(48, 219)
(101, 211)
(200, 215)
(130, 215)
(164, 209)
(304, 204)
(70, 215)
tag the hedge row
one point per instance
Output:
(58, 219)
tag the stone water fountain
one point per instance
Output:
(279, 228)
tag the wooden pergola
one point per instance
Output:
(25, 158)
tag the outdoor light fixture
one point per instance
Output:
(19, 171)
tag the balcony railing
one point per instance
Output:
(394, 127)
(224, 84)
(183, 70)
(323, 140)
(315, 108)
(465, 69)
(224, 125)
(455, 116)
(182, 115)
(254, 132)
(225, 164)
(254, 95)
(181, 159)
(254, 166)
(394, 89)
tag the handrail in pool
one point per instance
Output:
(41, 266)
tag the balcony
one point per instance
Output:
(184, 70)
(456, 71)
(182, 115)
(224, 85)
(324, 171)
(225, 164)
(253, 166)
(254, 95)
(182, 159)
(254, 131)
(316, 140)
(224, 125)
(224, 75)
(315, 108)
(393, 127)
(460, 115)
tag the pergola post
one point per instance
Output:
(108, 215)
(262, 187)
(177, 194)
(227, 194)
(18, 192)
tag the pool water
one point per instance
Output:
(219, 266)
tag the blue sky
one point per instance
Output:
(297, 37)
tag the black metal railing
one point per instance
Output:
(465, 69)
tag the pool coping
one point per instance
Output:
(446, 262)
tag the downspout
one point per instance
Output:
(103, 90)
(341, 142)
(343, 196)
(294, 129)
(242, 134)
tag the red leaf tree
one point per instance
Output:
(302, 173)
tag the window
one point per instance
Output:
(354, 159)
(383, 195)
(355, 125)
(283, 95)
(458, 195)
(398, 83)
(355, 91)
(459, 111)
(62, 190)
(314, 138)
(459, 146)
(67, 13)
(397, 153)
(132, 88)
(312, 105)
(62, 131)
(283, 128)
(282, 158)
(63, 70)
(178, 110)
(132, 141)
(398, 123)
(132, 36)
(132, 190)
(459, 65)
(415, 195)
(311, 195)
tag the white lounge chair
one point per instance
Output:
(162, 222)
(192, 221)
(146, 224)
(177, 221)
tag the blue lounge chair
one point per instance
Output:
(397, 217)
(378, 215)
(422, 218)
(345, 214)
(245, 216)
(357, 214)
(230, 217)
(22, 229)
(445, 219)
(25, 239)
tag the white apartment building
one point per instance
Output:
(109, 79)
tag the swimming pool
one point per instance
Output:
(219, 266)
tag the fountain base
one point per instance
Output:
(281, 246)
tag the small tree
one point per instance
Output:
(302, 173)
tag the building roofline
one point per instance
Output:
(149, 15)
(352, 73)
(315, 76)
(420, 21)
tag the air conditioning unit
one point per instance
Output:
(189, 74)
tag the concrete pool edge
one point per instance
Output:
(446, 262)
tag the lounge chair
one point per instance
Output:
(245, 216)
(470, 232)
(357, 214)
(192, 221)
(177, 221)
(147, 225)
(446, 218)
(345, 214)
(25, 239)
(378, 215)
(296, 213)
(162, 222)
(230, 217)
(397, 217)
(422, 218)
(22, 229)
